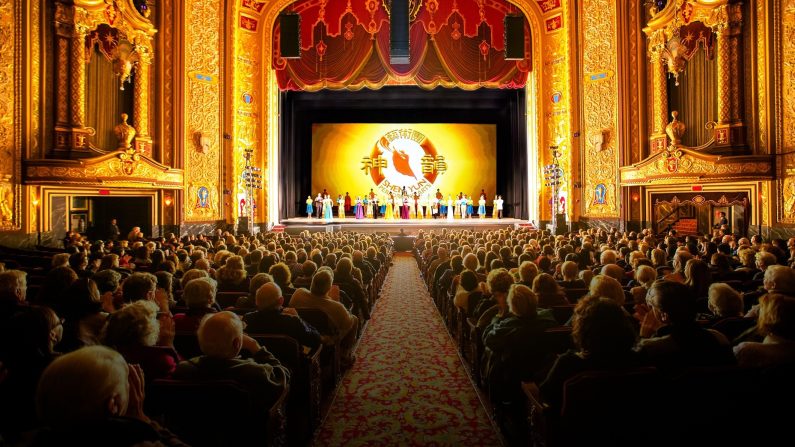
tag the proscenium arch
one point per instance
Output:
(270, 131)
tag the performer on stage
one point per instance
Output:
(388, 208)
(483, 194)
(328, 214)
(359, 209)
(341, 206)
(498, 207)
(309, 208)
(434, 207)
(347, 203)
(417, 210)
(404, 212)
(462, 206)
(428, 206)
(374, 206)
(469, 206)
(368, 208)
(397, 202)
(482, 207)
(450, 209)
(319, 205)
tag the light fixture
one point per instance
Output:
(167, 201)
(673, 52)
(35, 201)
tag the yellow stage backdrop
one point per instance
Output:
(357, 157)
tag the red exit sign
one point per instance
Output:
(104, 192)
(696, 188)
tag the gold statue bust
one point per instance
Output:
(124, 133)
(675, 129)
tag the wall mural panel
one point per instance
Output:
(600, 108)
(202, 114)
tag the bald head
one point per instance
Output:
(221, 335)
(269, 297)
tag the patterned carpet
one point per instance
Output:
(408, 385)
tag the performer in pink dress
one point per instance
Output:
(359, 209)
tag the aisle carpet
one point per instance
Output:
(408, 385)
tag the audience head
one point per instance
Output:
(199, 293)
(321, 282)
(192, 274)
(499, 281)
(777, 316)
(527, 272)
(221, 335)
(780, 279)
(724, 301)
(673, 300)
(133, 325)
(645, 275)
(602, 329)
(569, 270)
(259, 280)
(614, 271)
(13, 286)
(139, 286)
(269, 297)
(522, 302)
(471, 262)
(545, 284)
(607, 287)
(86, 385)
(469, 280)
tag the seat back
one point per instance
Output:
(563, 313)
(319, 320)
(574, 295)
(215, 413)
(734, 326)
(228, 299)
(187, 344)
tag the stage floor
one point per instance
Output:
(393, 226)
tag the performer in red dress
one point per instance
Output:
(347, 203)
(417, 210)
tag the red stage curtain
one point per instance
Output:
(345, 45)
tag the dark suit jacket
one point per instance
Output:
(275, 322)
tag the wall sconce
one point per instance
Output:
(635, 197)
(167, 201)
(35, 201)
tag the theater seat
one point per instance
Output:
(215, 413)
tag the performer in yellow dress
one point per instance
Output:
(389, 211)
(341, 207)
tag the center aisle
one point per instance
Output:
(408, 385)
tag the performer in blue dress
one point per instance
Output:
(328, 213)
(309, 208)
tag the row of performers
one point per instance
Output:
(402, 207)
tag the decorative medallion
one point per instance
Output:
(404, 159)
(600, 194)
(202, 195)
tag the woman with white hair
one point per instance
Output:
(134, 332)
(92, 397)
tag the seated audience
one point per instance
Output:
(81, 308)
(569, 271)
(685, 343)
(272, 318)
(776, 323)
(282, 276)
(548, 292)
(91, 397)
(134, 331)
(199, 296)
(13, 292)
(221, 339)
(232, 277)
(468, 295)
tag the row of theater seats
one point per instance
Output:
(642, 406)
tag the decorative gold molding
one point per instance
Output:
(678, 165)
(784, 46)
(10, 113)
(602, 141)
(120, 168)
(203, 112)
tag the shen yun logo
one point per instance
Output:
(404, 158)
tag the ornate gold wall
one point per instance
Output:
(10, 113)
(203, 33)
(784, 20)
(600, 100)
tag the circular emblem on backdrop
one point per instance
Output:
(247, 98)
(404, 159)
(556, 97)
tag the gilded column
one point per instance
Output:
(78, 73)
(730, 128)
(63, 34)
(659, 114)
(143, 142)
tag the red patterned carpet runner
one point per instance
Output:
(408, 386)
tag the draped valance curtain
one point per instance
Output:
(345, 45)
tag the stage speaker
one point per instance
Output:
(560, 224)
(290, 36)
(514, 38)
(399, 32)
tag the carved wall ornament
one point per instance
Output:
(202, 142)
(124, 133)
(675, 129)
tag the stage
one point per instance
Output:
(393, 226)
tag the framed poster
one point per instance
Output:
(77, 222)
(79, 203)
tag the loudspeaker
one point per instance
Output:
(560, 224)
(399, 33)
(514, 38)
(290, 36)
